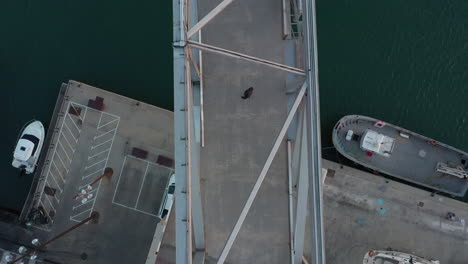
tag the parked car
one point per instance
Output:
(168, 198)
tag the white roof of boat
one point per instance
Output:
(23, 150)
(378, 143)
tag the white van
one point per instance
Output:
(168, 198)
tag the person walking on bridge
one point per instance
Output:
(247, 93)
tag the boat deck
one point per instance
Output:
(406, 161)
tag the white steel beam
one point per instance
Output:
(313, 131)
(183, 252)
(198, 230)
(188, 120)
(291, 216)
(303, 187)
(234, 54)
(214, 12)
(202, 115)
(263, 173)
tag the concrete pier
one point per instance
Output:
(96, 132)
(364, 211)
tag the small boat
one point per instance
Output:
(394, 257)
(29, 146)
(401, 153)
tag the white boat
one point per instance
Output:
(394, 257)
(29, 147)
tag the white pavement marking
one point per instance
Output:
(68, 142)
(110, 122)
(81, 204)
(105, 165)
(100, 144)
(84, 115)
(99, 123)
(96, 190)
(87, 210)
(90, 157)
(118, 181)
(97, 193)
(40, 228)
(131, 208)
(57, 169)
(69, 130)
(50, 202)
(87, 167)
(82, 186)
(74, 123)
(152, 163)
(105, 133)
(63, 164)
(56, 199)
(53, 154)
(84, 106)
(142, 184)
(56, 183)
(84, 177)
(65, 151)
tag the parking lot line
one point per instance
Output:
(53, 154)
(50, 202)
(84, 177)
(100, 144)
(81, 204)
(118, 180)
(143, 183)
(105, 133)
(68, 142)
(90, 157)
(84, 115)
(71, 133)
(65, 151)
(57, 169)
(152, 163)
(87, 210)
(56, 183)
(63, 163)
(87, 167)
(110, 122)
(105, 165)
(76, 126)
(131, 208)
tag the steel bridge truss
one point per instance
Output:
(304, 156)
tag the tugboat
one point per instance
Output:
(394, 257)
(28, 147)
(401, 153)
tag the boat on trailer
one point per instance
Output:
(394, 257)
(28, 146)
(401, 153)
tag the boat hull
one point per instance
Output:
(373, 257)
(414, 157)
(29, 146)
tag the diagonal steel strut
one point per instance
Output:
(214, 12)
(263, 173)
(234, 54)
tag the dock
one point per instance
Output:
(107, 154)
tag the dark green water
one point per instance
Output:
(405, 62)
(121, 46)
(401, 61)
